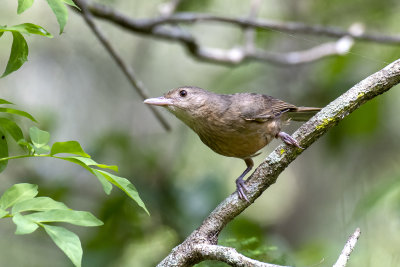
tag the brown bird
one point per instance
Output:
(236, 125)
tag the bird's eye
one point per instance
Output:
(182, 93)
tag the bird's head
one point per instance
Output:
(186, 103)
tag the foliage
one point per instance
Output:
(29, 212)
(19, 49)
(22, 197)
(39, 147)
(57, 6)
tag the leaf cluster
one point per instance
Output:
(29, 212)
(19, 48)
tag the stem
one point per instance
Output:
(26, 156)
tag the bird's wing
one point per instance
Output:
(265, 108)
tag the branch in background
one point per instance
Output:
(348, 249)
(229, 256)
(288, 27)
(268, 171)
(234, 258)
(239, 55)
(160, 27)
(233, 56)
(147, 26)
(126, 69)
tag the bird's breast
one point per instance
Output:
(237, 138)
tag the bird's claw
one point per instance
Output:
(241, 189)
(288, 139)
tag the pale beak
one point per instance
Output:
(158, 101)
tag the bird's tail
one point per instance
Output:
(302, 113)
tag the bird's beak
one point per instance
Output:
(158, 101)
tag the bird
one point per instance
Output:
(233, 125)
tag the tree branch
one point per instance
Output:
(348, 249)
(147, 26)
(238, 55)
(126, 69)
(160, 27)
(229, 256)
(268, 171)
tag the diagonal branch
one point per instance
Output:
(268, 171)
(348, 249)
(126, 69)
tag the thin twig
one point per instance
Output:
(126, 69)
(348, 249)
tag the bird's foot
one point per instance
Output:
(241, 189)
(288, 139)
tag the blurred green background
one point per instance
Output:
(349, 178)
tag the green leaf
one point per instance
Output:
(24, 225)
(90, 162)
(71, 147)
(18, 55)
(71, 3)
(122, 183)
(12, 128)
(26, 28)
(26, 144)
(19, 48)
(3, 101)
(82, 218)
(3, 213)
(107, 186)
(18, 193)
(3, 151)
(38, 137)
(74, 160)
(60, 10)
(38, 204)
(18, 112)
(41, 150)
(67, 241)
(83, 162)
(126, 186)
(24, 5)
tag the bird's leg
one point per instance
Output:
(288, 139)
(240, 187)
